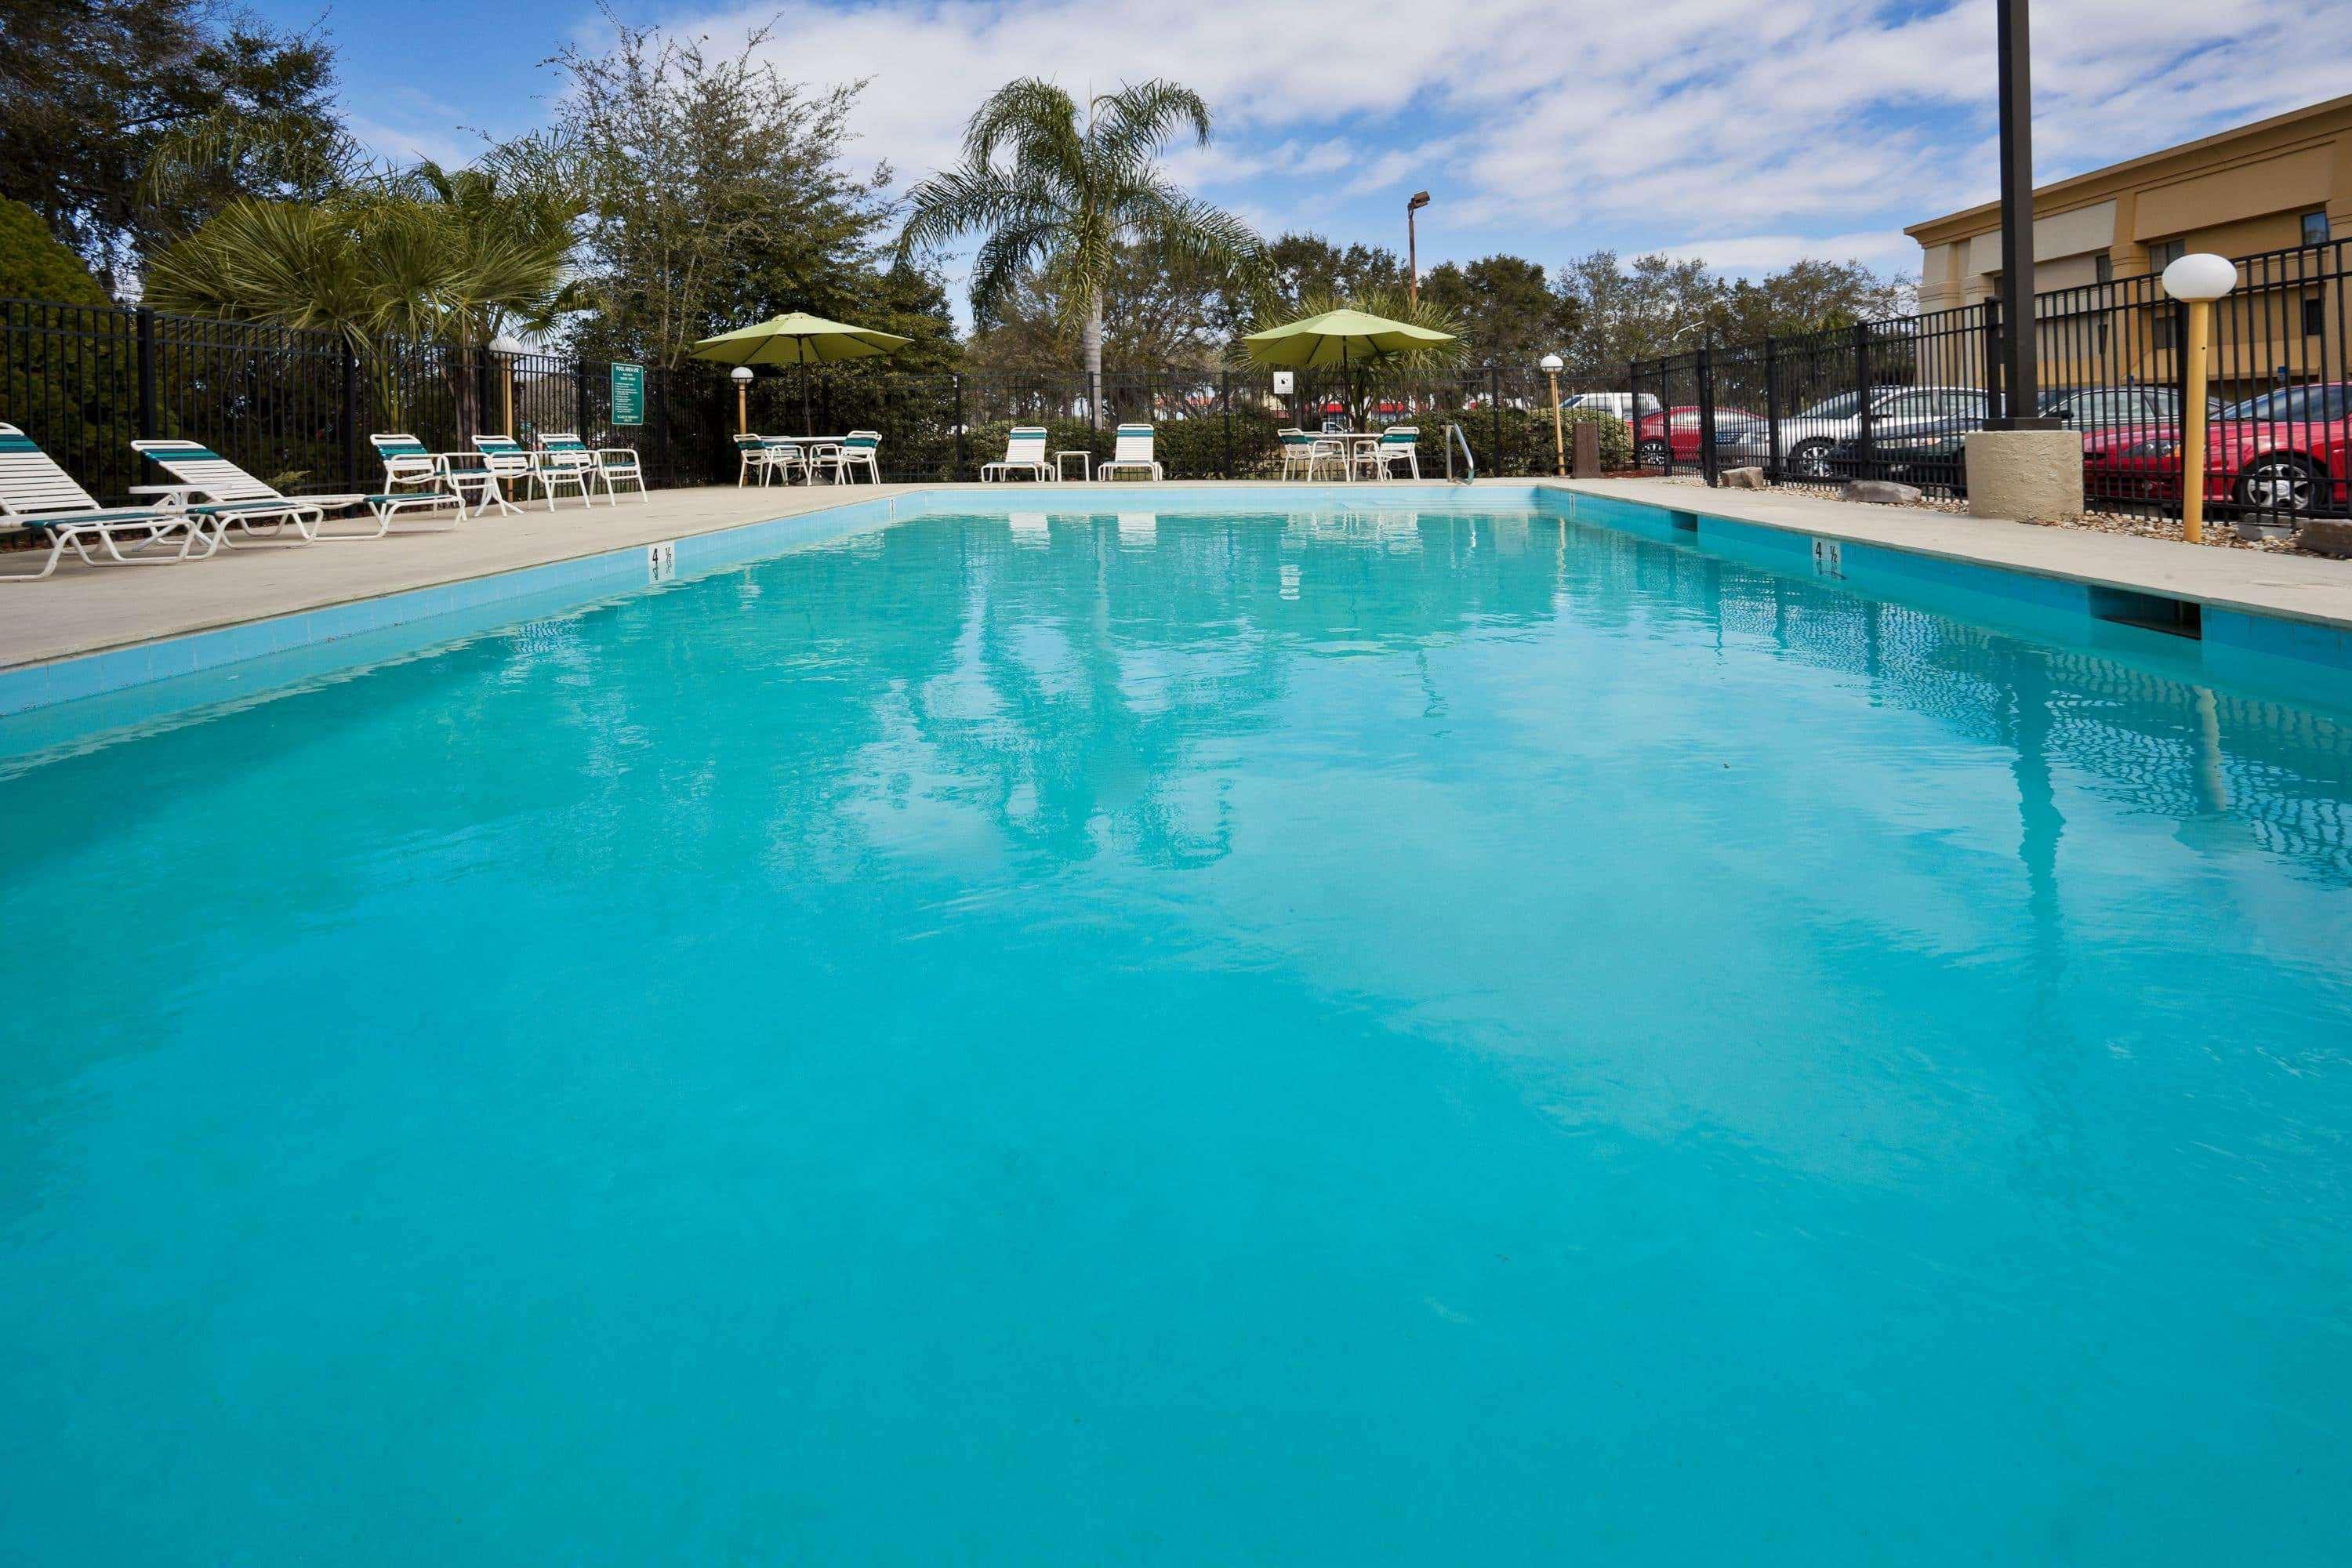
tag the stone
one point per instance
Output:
(1741, 478)
(2326, 536)
(1883, 492)
(2027, 475)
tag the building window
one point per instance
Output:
(2160, 332)
(2103, 267)
(2314, 228)
(2314, 316)
(2165, 252)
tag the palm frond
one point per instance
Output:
(1134, 123)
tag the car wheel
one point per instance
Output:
(1810, 460)
(2282, 485)
(1653, 455)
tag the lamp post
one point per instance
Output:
(741, 377)
(2019, 350)
(1551, 364)
(2196, 281)
(1419, 200)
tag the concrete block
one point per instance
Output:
(2032, 476)
(1885, 492)
(2326, 536)
(1741, 478)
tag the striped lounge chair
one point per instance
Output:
(1133, 450)
(1024, 453)
(39, 497)
(260, 511)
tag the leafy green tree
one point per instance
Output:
(34, 266)
(717, 197)
(1510, 314)
(1809, 297)
(1300, 265)
(91, 89)
(1078, 185)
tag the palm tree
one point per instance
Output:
(1078, 187)
(433, 256)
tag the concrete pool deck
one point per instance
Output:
(85, 610)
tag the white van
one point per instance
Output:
(1620, 403)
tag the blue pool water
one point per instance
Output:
(1190, 1039)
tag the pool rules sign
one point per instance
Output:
(628, 394)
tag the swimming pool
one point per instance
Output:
(1172, 1037)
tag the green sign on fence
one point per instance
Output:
(628, 394)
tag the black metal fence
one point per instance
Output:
(1895, 399)
(299, 407)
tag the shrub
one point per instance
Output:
(34, 266)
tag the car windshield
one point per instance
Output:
(1838, 408)
(2291, 403)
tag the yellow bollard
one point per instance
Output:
(1551, 364)
(2192, 424)
(2196, 280)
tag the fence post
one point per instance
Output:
(1865, 462)
(1634, 410)
(351, 418)
(146, 330)
(1706, 469)
(1495, 402)
(1772, 410)
(1225, 385)
(962, 435)
(580, 400)
(1993, 401)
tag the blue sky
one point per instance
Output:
(1748, 135)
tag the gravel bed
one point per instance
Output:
(2219, 535)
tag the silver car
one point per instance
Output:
(1810, 439)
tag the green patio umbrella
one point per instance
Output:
(800, 339)
(1339, 337)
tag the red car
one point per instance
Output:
(1675, 431)
(2284, 452)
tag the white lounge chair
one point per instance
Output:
(238, 499)
(1301, 448)
(1399, 444)
(1133, 450)
(565, 459)
(853, 450)
(1024, 452)
(36, 495)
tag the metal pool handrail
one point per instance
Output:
(1454, 437)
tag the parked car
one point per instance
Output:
(2282, 452)
(1671, 435)
(1620, 403)
(1934, 453)
(1808, 440)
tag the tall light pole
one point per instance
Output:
(2197, 282)
(1413, 249)
(2020, 393)
(1551, 364)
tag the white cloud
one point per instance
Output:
(1548, 128)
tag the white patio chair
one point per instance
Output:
(263, 512)
(38, 496)
(620, 465)
(511, 464)
(1024, 452)
(1133, 450)
(769, 456)
(408, 462)
(564, 459)
(1301, 448)
(1399, 444)
(854, 450)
